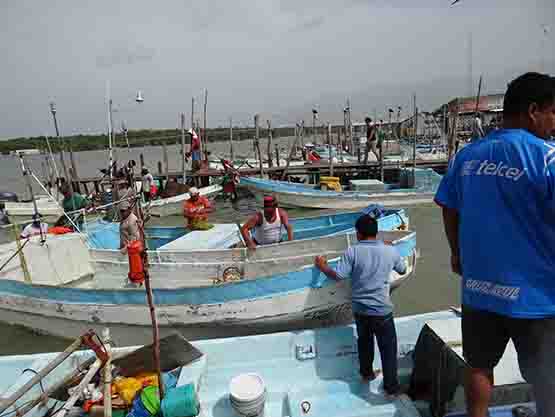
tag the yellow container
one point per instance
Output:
(330, 183)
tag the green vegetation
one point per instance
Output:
(145, 137)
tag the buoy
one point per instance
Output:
(247, 395)
(136, 264)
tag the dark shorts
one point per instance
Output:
(485, 337)
(196, 165)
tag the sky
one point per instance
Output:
(278, 58)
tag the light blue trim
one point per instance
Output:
(249, 289)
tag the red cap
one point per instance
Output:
(269, 201)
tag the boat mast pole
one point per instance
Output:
(60, 140)
(183, 166)
(30, 190)
(110, 139)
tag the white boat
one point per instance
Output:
(174, 205)
(310, 373)
(45, 205)
(307, 196)
(234, 304)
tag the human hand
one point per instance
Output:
(456, 264)
(251, 246)
(320, 262)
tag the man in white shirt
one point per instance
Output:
(35, 228)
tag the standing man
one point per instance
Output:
(371, 140)
(72, 204)
(196, 155)
(477, 129)
(507, 265)
(147, 182)
(129, 227)
(196, 210)
(267, 225)
(369, 265)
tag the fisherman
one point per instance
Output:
(369, 265)
(72, 204)
(477, 129)
(4, 219)
(129, 227)
(147, 183)
(37, 227)
(507, 264)
(195, 154)
(267, 225)
(371, 140)
(196, 210)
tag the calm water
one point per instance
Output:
(434, 287)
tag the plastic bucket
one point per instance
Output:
(247, 395)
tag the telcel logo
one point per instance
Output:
(498, 169)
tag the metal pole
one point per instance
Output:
(110, 138)
(205, 135)
(415, 132)
(231, 155)
(330, 153)
(183, 167)
(60, 140)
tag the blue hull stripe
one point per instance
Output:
(250, 289)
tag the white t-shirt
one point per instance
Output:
(32, 230)
(148, 179)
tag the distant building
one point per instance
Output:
(490, 108)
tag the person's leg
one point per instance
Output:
(384, 327)
(365, 343)
(535, 344)
(484, 340)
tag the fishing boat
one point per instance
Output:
(174, 205)
(296, 373)
(309, 196)
(45, 206)
(208, 256)
(232, 302)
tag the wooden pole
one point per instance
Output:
(277, 154)
(166, 164)
(107, 374)
(478, 95)
(330, 153)
(39, 376)
(183, 166)
(60, 140)
(292, 150)
(22, 260)
(231, 153)
(257, 143)
(415, 133)
(270, 159)
(205, 136)
(142, 161)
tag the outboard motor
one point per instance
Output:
(8, 196)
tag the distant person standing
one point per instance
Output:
(196, 155)
(369, 265)
(36, 228)
(371, 140)
(499, 216)
(73, 204)
(147, 182)
(477, 129)
(196, 210)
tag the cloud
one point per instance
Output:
(125, 56)
(309, 24)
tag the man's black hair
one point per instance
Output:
(367, 226)
(367, 120)
(529, 88)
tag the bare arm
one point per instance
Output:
(451, 226)
(285, 221)
(322, 264)
(245, 231)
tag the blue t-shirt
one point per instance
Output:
(369, 265)
(503, 188)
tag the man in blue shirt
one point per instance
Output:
(498, 202)
(369, 265)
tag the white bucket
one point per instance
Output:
(247, 394)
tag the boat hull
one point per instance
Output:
(296, 300)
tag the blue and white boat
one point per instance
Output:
(312, 373)
(308, 196)
(231, 302)
(207, 256)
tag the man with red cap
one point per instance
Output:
(266, 226)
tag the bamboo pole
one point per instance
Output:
(39, 376)
(270, 159)
(78, 391)
(292, 150)
(277, 154)
(257, 144)
(183, 166)
(60, 140)
(231, 153)
(166, 163)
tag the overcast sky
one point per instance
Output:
(276, 57)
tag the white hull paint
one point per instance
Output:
(45, 206)
(299, 200)
(130, 324)
(206, 268)
(174, 205)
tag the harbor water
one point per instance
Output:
(432, 288)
